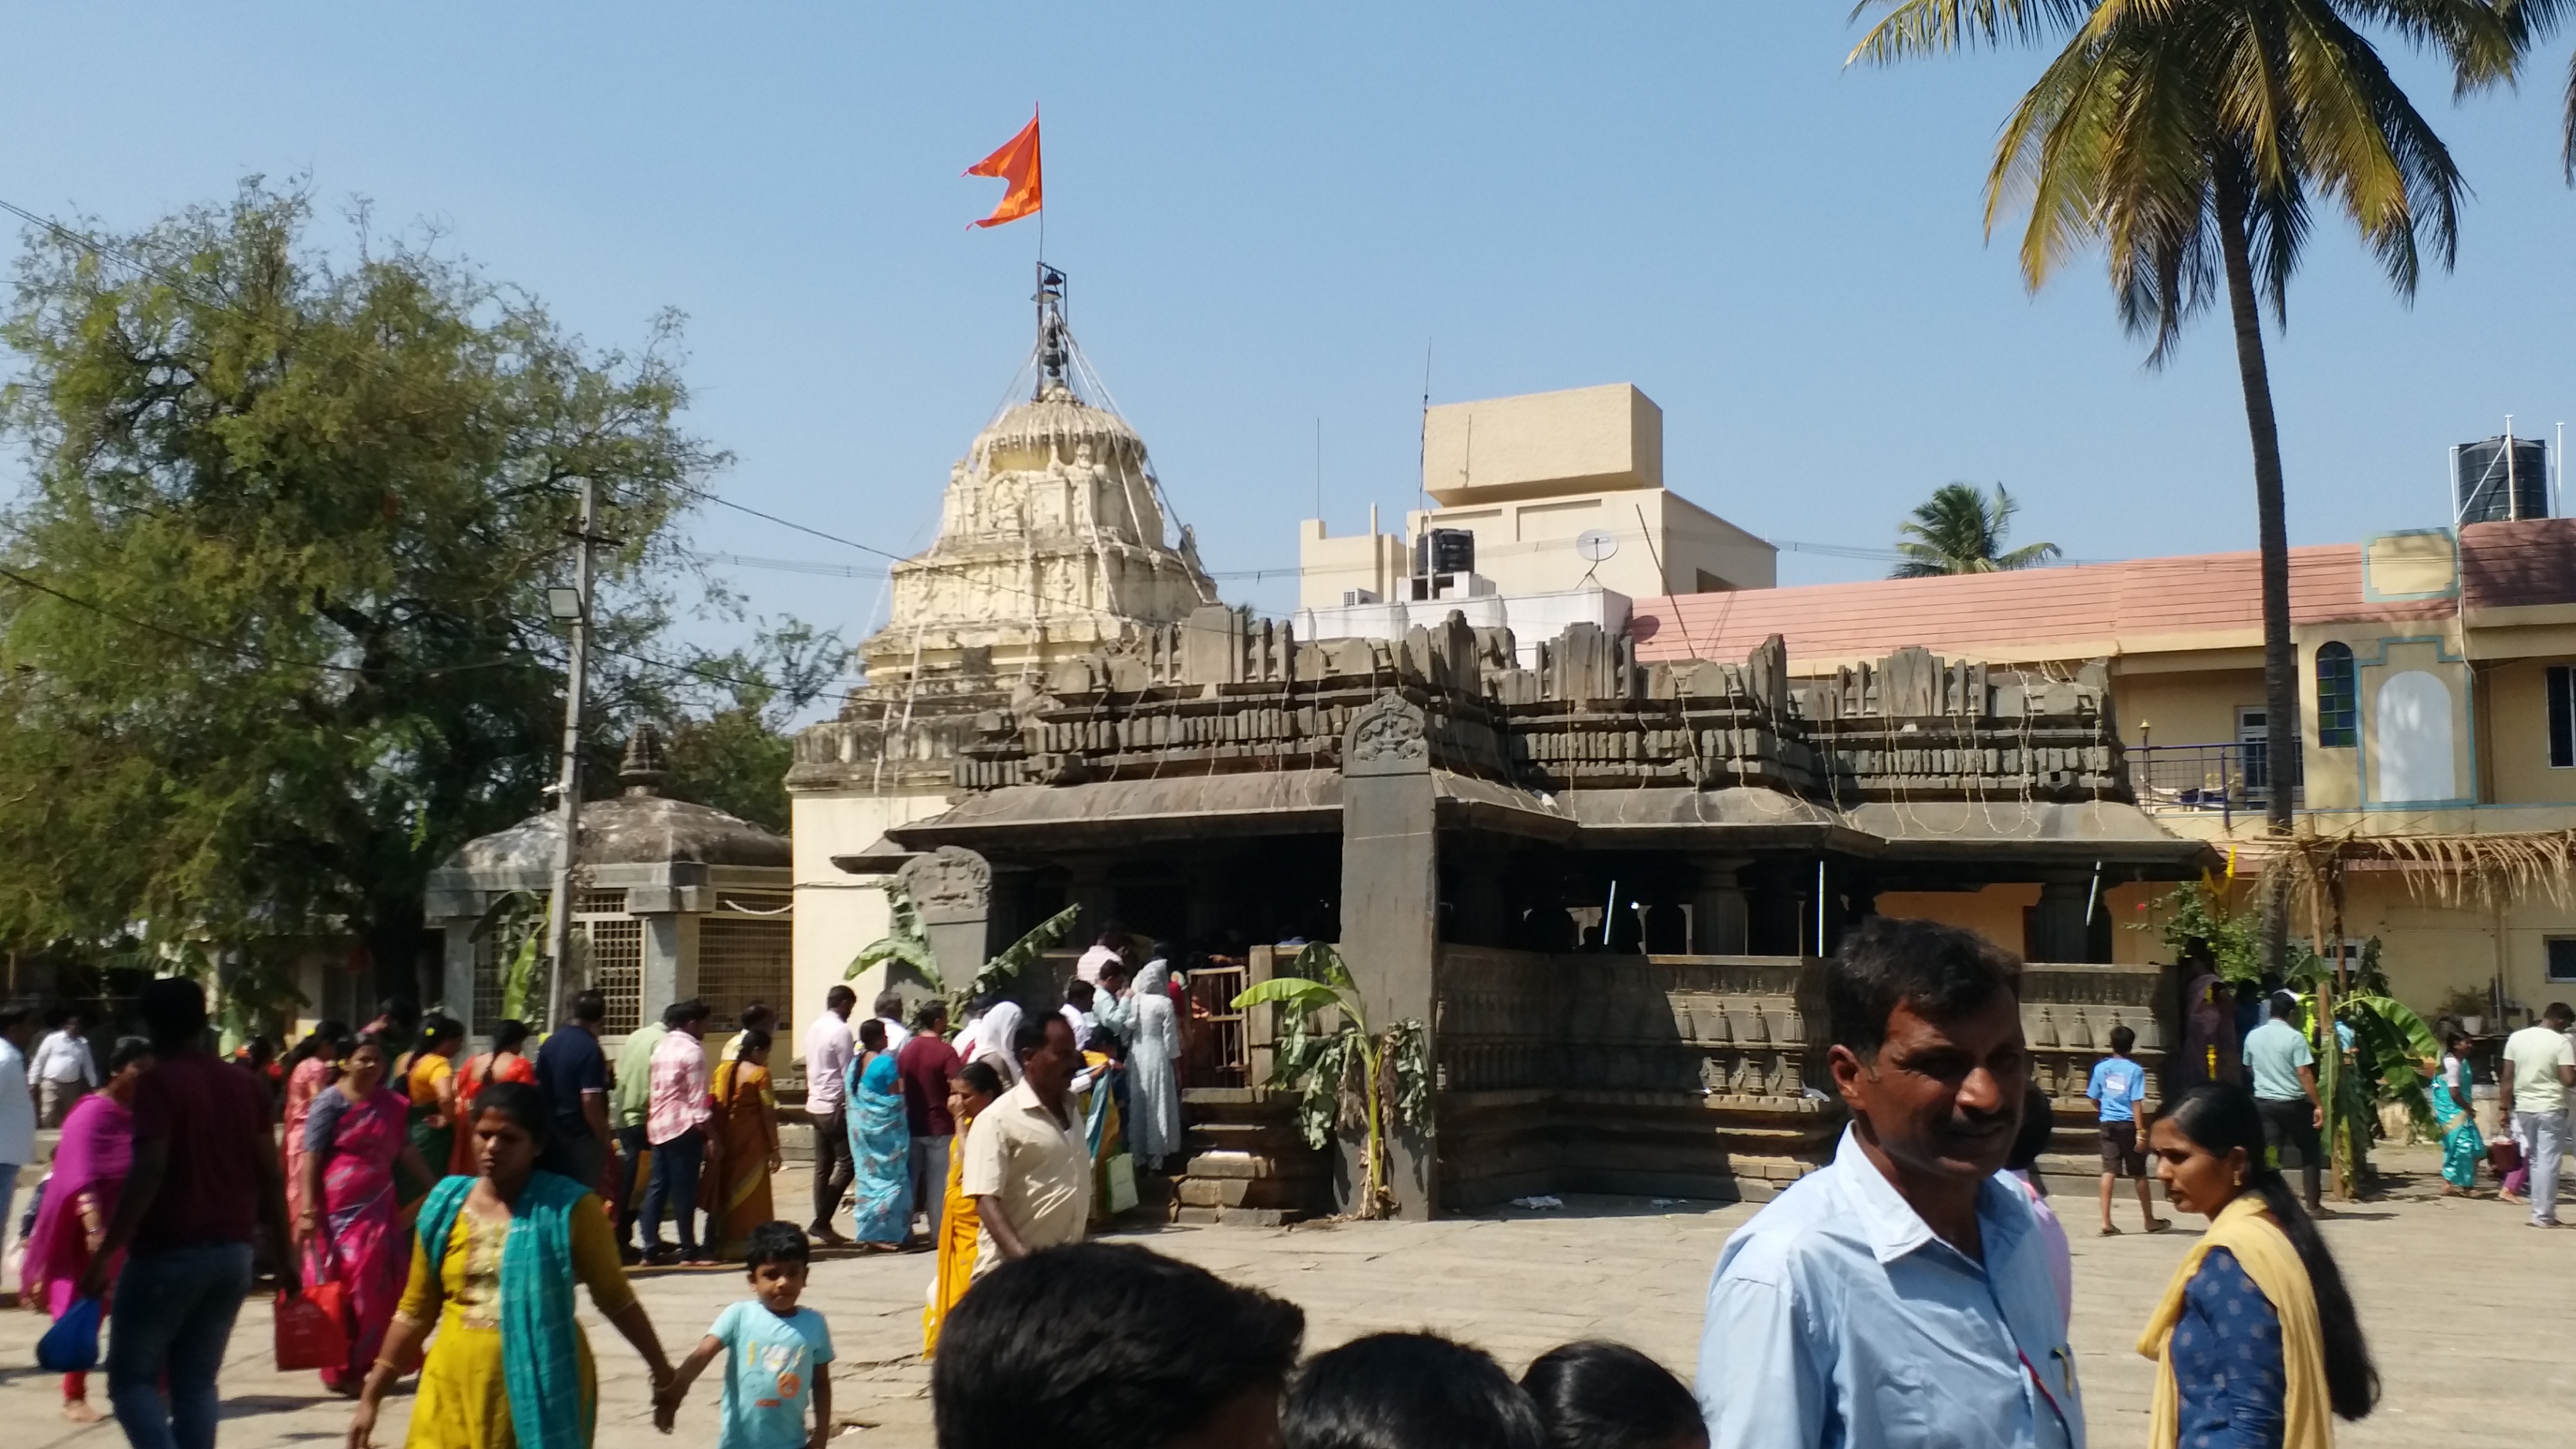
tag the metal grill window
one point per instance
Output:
(487, 983)
(599, 903)
(2338, 698)
(744, 960)
(616, 952)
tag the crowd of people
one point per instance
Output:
(1916, 1290)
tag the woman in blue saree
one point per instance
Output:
(2450, 1092)
(880, 1144)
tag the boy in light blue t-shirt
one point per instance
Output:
(777, 1356)
(2118, 1088)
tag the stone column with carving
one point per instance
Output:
(952, 888)
(1390, 905)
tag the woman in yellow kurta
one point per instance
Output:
(735, 1191)
(494, 1261)
(973, 1089)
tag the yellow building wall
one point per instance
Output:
(2513, 735)
(1995, 913)
(2196, 708)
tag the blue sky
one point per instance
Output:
(1269, 212)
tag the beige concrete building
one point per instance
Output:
(1054, 543)
(2437, 704)
(1527, 478)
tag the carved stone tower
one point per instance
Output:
(1055, 543)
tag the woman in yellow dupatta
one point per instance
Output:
(2256, 1341)
(973, 1089)
(735, 1190)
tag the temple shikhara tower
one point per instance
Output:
(1055, 543)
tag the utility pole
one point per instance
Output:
(568, 782)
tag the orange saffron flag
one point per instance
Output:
(1017, 163)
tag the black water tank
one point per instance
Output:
(1444, 551)
(2501, 478)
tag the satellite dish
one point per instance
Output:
(1596, 545)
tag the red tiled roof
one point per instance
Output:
(2057, 613)
(2530, 562)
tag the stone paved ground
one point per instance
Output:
(2468, 1311)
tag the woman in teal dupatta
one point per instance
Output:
(2452, 1095)
(880, 1145)
(494, 1260)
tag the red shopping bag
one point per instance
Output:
(313, 1328)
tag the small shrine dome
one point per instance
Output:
(638, 826)
(670, 900)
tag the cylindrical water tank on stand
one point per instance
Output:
(2501, 478)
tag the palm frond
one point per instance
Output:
(1924, 27)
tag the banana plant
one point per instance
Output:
(1347, 1075)
(1009, 962)
(516, 924)
(904, 940)
(2390, 1045)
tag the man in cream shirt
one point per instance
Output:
(1028, 1163)
(2539, 1066)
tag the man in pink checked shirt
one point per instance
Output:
(675, 1123)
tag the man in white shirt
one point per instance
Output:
(890, 1011)
(62, 1072)
(828, 1050)
(17, 1108)
(2539, 1067)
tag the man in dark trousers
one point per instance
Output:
(204, 1185)
(573, 1073)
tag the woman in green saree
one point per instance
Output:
(2452, 1094)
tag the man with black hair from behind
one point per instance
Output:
(1108, 1346)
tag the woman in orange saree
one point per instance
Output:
(735, 1191)
(974, 1088)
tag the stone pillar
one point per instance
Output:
(1721, 920)
(669, 972)
(2058, 930)
(456, 973)
(1390, 904)
(952, 888)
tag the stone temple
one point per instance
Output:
(1055, 543)
(1603, 878)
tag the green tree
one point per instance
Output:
(1960, 531)
(734, 753)
(2190, 138)
(272, 607)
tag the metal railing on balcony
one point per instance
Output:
(2220, 777)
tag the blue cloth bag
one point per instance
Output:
(71, 1345)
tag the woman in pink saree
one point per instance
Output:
(349, 1226)
(90, 1164)
(310, 1066)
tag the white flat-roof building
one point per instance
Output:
(1552, 509)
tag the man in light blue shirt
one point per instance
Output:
(2284, 1069)
(1900, 1298)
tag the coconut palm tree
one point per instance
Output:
(1960, 531)
(2190, 138)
